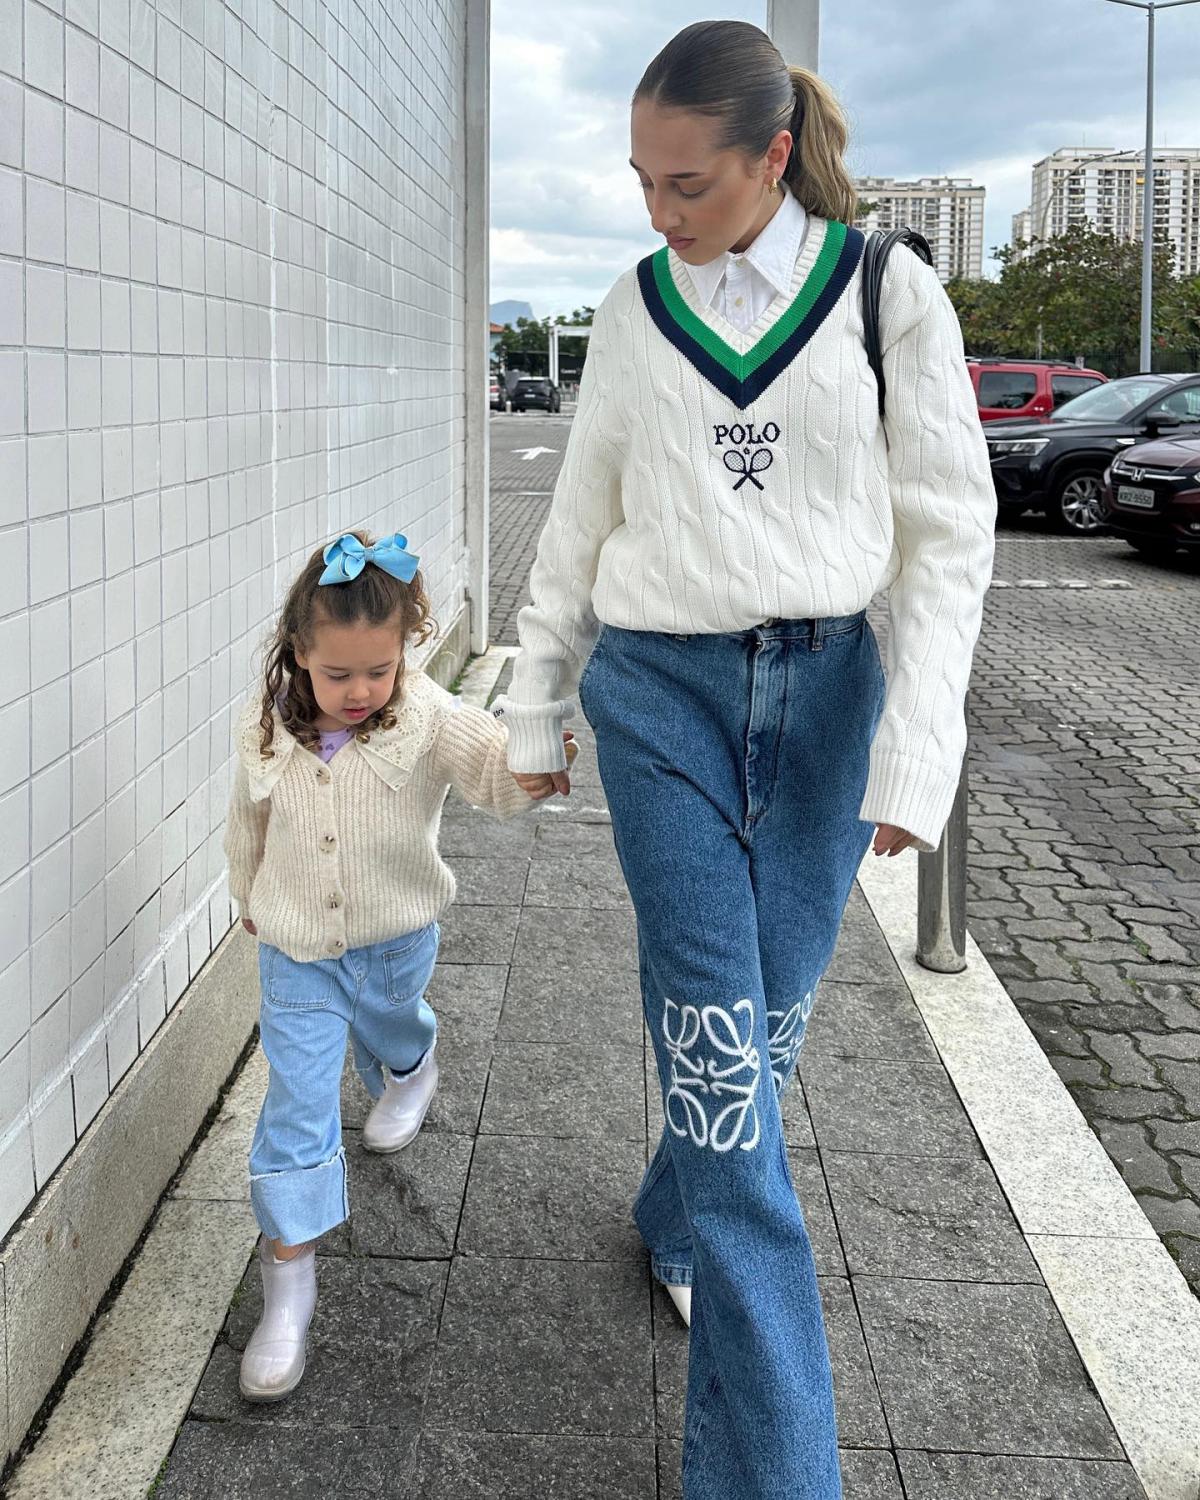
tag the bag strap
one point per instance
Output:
(879, 246)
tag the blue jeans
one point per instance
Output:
(297, 1162)
(734, 766)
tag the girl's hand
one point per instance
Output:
(891, 840)
(249, 926)
(544, 784)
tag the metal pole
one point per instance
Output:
(1150, 7)
(1148, 202)
(794, 26)
(942, 891)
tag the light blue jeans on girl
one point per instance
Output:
(377, 994)
(734, 766)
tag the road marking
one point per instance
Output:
(529, 454)
(1061, 583)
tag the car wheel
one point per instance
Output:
(1077, 502)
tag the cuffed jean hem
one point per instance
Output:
(302, 1203)
(669, 1274)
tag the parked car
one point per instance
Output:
(536, 390)
(1152, 496)
(497, 395)
(1058, 466)
(1027, 388)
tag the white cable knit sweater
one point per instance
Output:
(714, 479)
(323, 858)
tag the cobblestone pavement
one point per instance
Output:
(1084, 883)
(1085, 844)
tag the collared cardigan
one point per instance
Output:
(325, 858)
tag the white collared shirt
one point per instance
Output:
(742, 287)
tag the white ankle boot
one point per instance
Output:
(401, 1109)
(274, 1359)
(681, 1296)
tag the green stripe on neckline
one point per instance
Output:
(741, 366)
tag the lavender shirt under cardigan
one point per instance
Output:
(332, 742)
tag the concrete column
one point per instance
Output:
(794, 27)
(478, 217)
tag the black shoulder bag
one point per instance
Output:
(879, 246)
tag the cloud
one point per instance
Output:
(968, 89)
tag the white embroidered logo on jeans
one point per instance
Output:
(785, 1037)
(694, 1081)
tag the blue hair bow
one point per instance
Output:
(347, 557)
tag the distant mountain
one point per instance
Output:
(509, 312)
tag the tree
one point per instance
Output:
(1079, 293)
(519, 345)
(979, 305)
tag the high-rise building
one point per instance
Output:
(1102, 187)
(948, 211)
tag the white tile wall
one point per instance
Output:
(231, 325)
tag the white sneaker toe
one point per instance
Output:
(681, 1296)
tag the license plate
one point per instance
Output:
(1128, 494)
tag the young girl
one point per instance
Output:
(342, 769)
(729, 504)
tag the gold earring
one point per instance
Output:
(774, 188)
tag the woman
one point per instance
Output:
(729, 503)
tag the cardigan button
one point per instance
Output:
(328, 841)
(336, 946)
(334, 902)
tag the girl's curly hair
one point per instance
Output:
(374, 597)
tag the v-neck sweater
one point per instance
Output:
(714, 479)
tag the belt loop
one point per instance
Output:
(818, 634)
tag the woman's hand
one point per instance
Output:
(544, 784)
(891, 840)
(249, 926)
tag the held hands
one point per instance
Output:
(890, 840)
(544, 784)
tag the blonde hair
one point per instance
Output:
(816, 170)
(732, 71)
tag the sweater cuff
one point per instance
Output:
(535, 742)
(911, 794)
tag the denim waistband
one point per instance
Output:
(814, 628)
(799, 630)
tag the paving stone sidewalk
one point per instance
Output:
(487, 1323)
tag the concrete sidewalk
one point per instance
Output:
(488, 1325)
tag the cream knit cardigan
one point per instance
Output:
(647, 530)
(328, 857)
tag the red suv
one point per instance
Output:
(1028, 388)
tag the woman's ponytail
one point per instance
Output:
(816, 170)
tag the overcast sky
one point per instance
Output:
(963, 88)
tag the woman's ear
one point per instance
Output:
(779, 153)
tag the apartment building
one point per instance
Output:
(1102, 186)
(948, 211)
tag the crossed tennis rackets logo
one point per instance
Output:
(750, 454)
